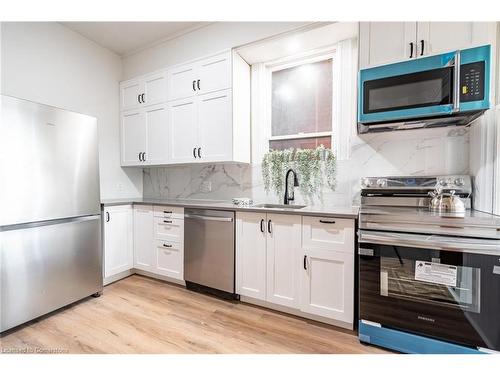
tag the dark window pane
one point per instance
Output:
(303, 143)
(302, 99)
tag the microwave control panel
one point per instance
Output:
(472, 82)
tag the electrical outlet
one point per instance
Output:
(206, 187)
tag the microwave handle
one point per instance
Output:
(437, 242)
(456, 83)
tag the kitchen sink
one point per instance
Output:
(283, 206)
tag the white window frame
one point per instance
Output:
(291, 62)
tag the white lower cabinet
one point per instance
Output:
(301, 262)
(327, 274)
(251, 254)
(144, 238)
(283, 243)
(169, 242)
(118, 240)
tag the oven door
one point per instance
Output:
(408, 90)
(442, 287)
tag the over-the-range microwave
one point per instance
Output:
(447, 89)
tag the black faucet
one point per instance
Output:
(295, 183)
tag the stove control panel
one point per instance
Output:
(462, 184)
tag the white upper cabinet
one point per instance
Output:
(190, 113)
(215, 126)
(200, 77)
(214, 73)
(182, 81)
(183, 135)
(386, 42)
(144, 91)
(155, 89)
(118, 240)
(130, 94)
(156, 119)
(438, 37)
(133, 137)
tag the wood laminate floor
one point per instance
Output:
(143, 315)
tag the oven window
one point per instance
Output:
(450, 286)
(422, 89)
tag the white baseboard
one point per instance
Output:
(116, 277)
(296, 312)
(159, 277)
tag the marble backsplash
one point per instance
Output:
(415, 153)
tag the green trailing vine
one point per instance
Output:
(315, 169)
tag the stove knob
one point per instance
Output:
(382, 182)
(459, 181)
(366, 183)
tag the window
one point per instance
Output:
(301, 108)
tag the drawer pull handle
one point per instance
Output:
(165, 245)
(167, 212)
(305, 262)
(167, 221)
(327, 221)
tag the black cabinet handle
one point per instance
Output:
(139, 98)
(142, 98)
(269, 226)
(422, 44)
(199, 152)
(194, 87)
(167, 221)
(140, 156)
(327, 221)
(107, 217)
(165, 245)
(305, 262)
(411, 50)
(194, 152)
(198, 84)
(143, 156)
(262, 229)
(167, 212)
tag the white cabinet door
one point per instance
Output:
(156, 118)
(386, 42)
(130, 94)
(215, 126)
(118, 240)
(439, 37)
(134, 137)
(251, 254)
(283, 246)
(214, 73)
(327, 284)
(155, 88)
(182, 82)
(144, 238)
(183, 136)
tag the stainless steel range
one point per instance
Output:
(429, 282)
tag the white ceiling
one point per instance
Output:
(125, 38)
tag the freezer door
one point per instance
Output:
(48, 265)
(48, 163)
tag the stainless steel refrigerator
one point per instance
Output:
(50, 221)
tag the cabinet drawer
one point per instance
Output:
(169, 212)
(169, 229)
(328, 233)
(170, 259)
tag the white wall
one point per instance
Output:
(211, 38)
(48, 63)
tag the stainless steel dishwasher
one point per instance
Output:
(209, 251)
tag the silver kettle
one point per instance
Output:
(446, 202)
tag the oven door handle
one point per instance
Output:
(437, 242)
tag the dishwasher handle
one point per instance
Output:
(208, 218)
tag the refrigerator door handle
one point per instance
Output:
(34, 224)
